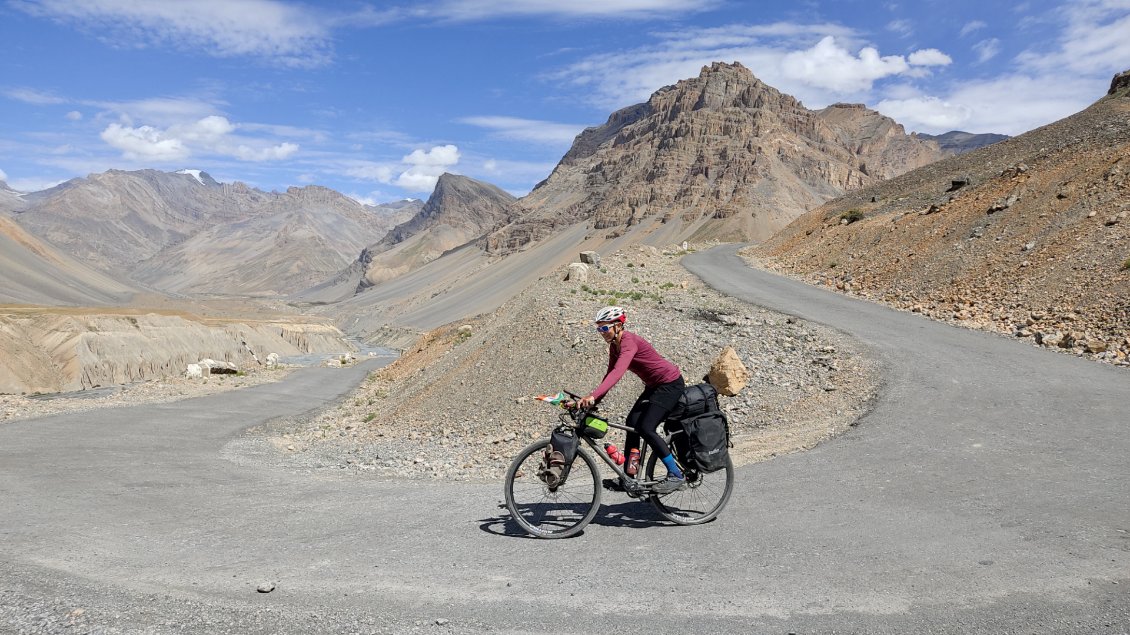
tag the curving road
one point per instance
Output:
(987, 491)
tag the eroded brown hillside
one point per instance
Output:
(1026, 237)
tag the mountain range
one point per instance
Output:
(718, 156)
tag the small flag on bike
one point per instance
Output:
(553, 399)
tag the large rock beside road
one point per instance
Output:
(728, 374)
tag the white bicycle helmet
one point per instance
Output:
(611, 314)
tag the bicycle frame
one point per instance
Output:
(638, 479)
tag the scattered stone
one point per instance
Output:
(194, 371)
(1094, 346)
(590, 258)
(266, 587)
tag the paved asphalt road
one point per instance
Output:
(988, 491)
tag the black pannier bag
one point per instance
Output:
(559, 457)
(705, 441)
(695, 400)
(704, 444)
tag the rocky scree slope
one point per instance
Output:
(723, 153)
(1027, 237)
(458, 405)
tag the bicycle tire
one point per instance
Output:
(560, 513)
(702, 500)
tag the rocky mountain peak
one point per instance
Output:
(720, 154)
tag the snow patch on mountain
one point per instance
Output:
(194, 173)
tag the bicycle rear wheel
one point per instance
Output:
(702, 499)
(547, 512)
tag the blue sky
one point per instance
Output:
(376, 99)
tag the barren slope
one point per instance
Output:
(1034, 244)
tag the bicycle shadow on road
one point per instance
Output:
(629, 514)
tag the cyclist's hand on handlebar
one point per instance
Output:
(586, 402)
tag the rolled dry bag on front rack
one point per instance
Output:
(707, 441)
(559, 457)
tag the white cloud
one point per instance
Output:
(438, 156)
(925, 114)
(929, 57)
(285, 33)
(1094, 40)
(157, 111)
(371, 172)
(484, 9)
(144, 143)
(1057, 77)
(74, 115)
(527, 129)
(3, 176)
(904, 28)
(832, 67)
(427, 167)
(210, 135)
(987, 49)
(817, 63)
(33, 96)
(970, 27)
(979, 106)
(270, 153)
(210, 129)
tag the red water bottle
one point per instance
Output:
(614, 453)
(633, 462)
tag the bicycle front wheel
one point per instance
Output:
(551, 512)
(702, 499)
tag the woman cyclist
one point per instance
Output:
(663, 383)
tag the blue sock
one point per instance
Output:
(672, 469)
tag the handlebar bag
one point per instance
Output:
(595, 427)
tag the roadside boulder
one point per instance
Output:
(578, 272)
(193, 371)
(224, 368)
(590, 258)
(272, 359)
(728, 374)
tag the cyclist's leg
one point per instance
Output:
(632, 440)
(662, 400)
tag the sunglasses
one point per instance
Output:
(605, 327)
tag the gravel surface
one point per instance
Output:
(459, 405)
